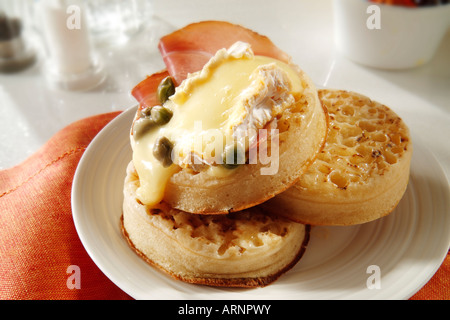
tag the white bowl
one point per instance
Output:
(389, 36)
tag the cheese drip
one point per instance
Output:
(234, 92)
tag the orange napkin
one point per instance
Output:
(40, 252)
(38, 240)
(438, 288)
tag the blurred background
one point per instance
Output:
(63, 60)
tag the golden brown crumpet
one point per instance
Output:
(363, 170)
(264, 111)
(242, 249)
(302, 133)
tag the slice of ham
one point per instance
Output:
(188, 49)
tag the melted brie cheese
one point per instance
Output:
(234, 92)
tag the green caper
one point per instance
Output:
(145, 112)
(162, 151)
(141, 126)
(161, 115)
(165, 89)
(233, 156)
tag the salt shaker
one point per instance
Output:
(72, 63)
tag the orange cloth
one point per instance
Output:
(438, 288)
(38, 240)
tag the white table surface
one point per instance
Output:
(31, 112)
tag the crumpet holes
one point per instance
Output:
(367, 125)
(339, 180)
(389, 157)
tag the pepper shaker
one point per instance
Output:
(16, 51)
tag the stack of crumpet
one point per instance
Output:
(236, 154)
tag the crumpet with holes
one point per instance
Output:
(362, 172)
(248, 249)
(301, 135)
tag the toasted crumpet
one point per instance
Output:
(242, 249)
(363, 170)
(302, 134)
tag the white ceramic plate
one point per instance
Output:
(407, 246)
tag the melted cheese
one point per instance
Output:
(236, 91)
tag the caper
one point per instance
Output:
(233, 156)
(145, 112)
(165, 89)
(161, 115)
(162, 151)
(141, 126)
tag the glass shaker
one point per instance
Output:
(16, 49)
(72, 63)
